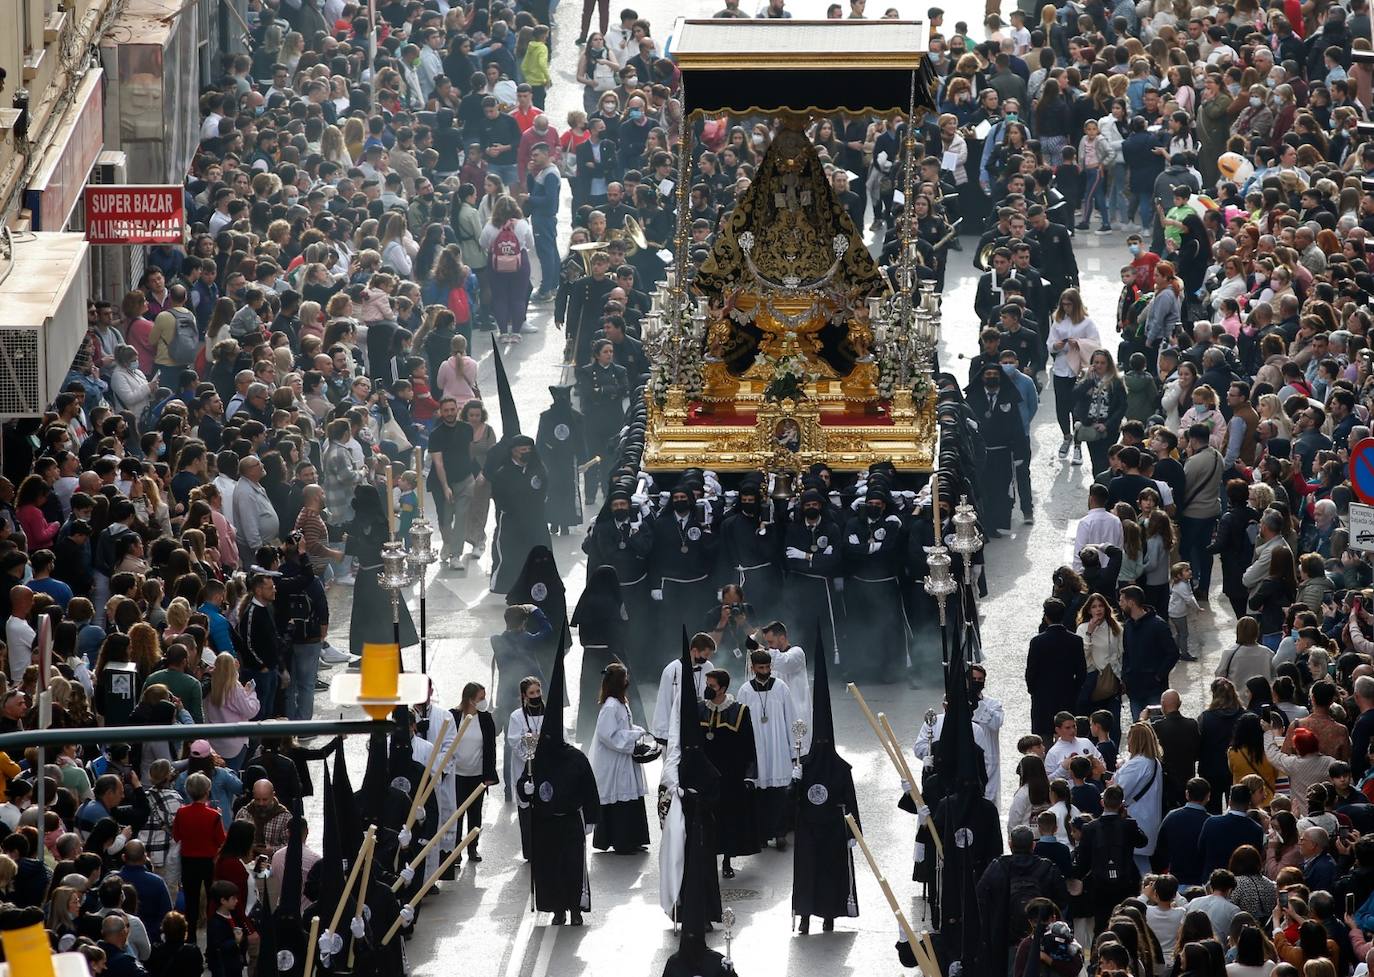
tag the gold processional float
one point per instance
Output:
(788, 344)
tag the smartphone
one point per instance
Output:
(1350, 904)
(1283, 900)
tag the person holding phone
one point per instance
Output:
(231, 702)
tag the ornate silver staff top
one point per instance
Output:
(727, 918)
(799, 728)
(529, 742)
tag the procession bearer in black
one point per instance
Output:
(684, 556)
(813, 550)
(753, 550)
(622, 538)
(873, 556)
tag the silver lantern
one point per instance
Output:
(967, 539)
(939, 582)
(421, 553)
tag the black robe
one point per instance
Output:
(626, 548)
(877, 626)
(562, 445)
(822, 861)
(540, 584)
(754, 561)
(811, 598)
(564, 802)
(729, 733)
(370, 621)
(521, 524)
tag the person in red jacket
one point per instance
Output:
(200, 830)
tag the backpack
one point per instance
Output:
(1107, 851)
(1022, 887)
(185, 342)
(459, 304)
(504, 253)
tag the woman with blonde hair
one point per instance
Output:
(1073, 337)
(1205, 411)
(1271, 409)
(1141, 777)
(397, 246)
(230, 702)
(457, 376)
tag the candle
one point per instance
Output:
(390, 506)
(419, 483)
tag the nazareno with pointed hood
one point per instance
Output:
(510, 416)
(698, 901)
(823, 863)
(564, 803)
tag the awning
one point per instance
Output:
(760, 66)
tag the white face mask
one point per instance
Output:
(482, 705)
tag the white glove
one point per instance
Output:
(828, 550)
(407, 915)
(357, 927)
(655, 595)
(527, 788)
(589, 828)
(407, 875)
(906, 787)
(403, 839)
(839, 584)
(330, 943)
(923, 812)
(853, 539)
(853, 842)
(874, 546)
(796, 771)
(795, 554)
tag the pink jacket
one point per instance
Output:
(38, 532)
(240, 705)
(228, 543)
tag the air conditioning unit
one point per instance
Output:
(42, 320)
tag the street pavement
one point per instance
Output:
(483, 918)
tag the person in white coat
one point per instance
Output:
(789, 665)
(472, 765)
(1141, 779)
(131, 389)
(769, 702)
(623, 825)
(702, 647)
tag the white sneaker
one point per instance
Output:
(1064, 448)
(333, 656)
(1077, 454)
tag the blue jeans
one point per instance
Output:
(1096, 196)
(1145, 203)
(1116, 196)
(506, 171)
(300, 694)
(1194, 536)
(1140, 698)
(265, 686)
(546, 250)
(1272, 641)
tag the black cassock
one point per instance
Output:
(602, 391)
(729, 733)
(812, 600)
(564, 802)
(877, 627)
(999, 422)
(562, 446)
(684, 556)
(521, 524)
(753, 559)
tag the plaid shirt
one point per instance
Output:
(156, 835)
(270, 826)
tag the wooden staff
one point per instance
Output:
(419, 483)
(429, 882)
(915, 944)
(418, 801)
(907, 777)
(362, 898)
(928, 945)
(390, 506)
(422, 796)
(893, 750)
(363, 852)
(310, 947)
(443, 830)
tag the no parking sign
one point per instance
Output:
(1362, 470)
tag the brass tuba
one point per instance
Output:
(632, 233)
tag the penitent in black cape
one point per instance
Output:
(562, 445)
(371, 619)
(540, 584)
(822, 861)
(563, 803)
(698, 901)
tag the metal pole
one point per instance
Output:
(424, 628)
(14, 743)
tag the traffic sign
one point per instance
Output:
(1362, 470)
(1361, 528)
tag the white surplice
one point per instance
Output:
(618, 777)
(790, 667)
(771, 714)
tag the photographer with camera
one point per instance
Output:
(728, 623)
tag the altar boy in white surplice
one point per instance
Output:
(769, 702)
